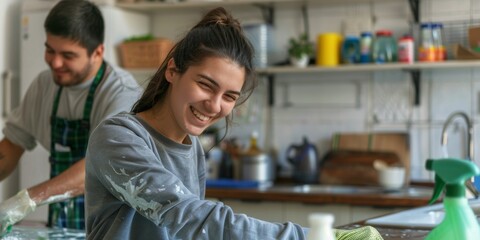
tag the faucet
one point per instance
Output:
(444, 140)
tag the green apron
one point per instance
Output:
(69, 139)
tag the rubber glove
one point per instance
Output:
(15, 209)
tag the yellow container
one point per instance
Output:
(328, 49)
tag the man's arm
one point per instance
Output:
(10, 154)
(70, 183)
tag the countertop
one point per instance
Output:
(417, 194)
(412, 196)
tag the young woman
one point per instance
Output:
(145, 170)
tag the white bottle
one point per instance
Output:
(320, 226)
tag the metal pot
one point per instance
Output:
(259, 167)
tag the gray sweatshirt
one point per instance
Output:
(142, 185)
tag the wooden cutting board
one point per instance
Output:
(350, 167)
(397, 142)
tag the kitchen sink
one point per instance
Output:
(343, 189)
(422, 217)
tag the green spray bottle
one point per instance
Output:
(459, 222)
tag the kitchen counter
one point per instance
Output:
(410, 197)
(413, 196)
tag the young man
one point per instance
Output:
(60, 109)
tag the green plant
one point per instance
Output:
(300, 46)
(137, 38)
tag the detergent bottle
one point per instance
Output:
(459, 222)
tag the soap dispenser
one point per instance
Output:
(459, 222)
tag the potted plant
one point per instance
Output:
(300, 49)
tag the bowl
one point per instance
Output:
(391, 177)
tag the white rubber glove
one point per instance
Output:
(15, 209)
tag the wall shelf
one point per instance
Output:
(373, 67)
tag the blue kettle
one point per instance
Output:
(304, 158)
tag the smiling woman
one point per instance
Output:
(145, 170)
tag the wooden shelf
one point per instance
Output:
(452, 64)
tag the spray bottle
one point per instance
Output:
(459, 222)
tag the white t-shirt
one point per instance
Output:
(30, 122)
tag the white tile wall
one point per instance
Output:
(322, 104)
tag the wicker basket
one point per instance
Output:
(144, 54)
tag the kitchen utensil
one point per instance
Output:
(257, 165)
(304, 158)
(350, 167)
(379, 164)
(391, 178)
(397, 143)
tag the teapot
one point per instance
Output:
(305, 162)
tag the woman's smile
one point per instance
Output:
(199, 115)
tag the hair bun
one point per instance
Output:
(219, 16)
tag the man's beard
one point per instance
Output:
(76, 77)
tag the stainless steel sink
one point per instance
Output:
(342, 189)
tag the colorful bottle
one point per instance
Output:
(351, 50)
(459, 222)
(366, 40)
(406, 49)
(437, 39)
(426, 50)
(320, 226)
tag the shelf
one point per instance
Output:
(373, 67)
(151, 6)
(354, 67)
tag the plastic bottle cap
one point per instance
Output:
(384, 33)
(406, 37)
(320, 219)
(423, 25)
(366, 34)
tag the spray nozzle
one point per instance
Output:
(451, 174)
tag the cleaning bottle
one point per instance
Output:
(459, 222)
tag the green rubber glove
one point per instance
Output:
(15, 209)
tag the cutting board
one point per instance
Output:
(350, 167)
(367, 146)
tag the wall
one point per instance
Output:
(318, 105)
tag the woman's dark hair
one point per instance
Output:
(218, 34)
(78, 20)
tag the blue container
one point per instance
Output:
(351, 50)
(366, 41)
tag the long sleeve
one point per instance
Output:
(136, 174)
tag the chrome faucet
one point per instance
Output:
(470, 146)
